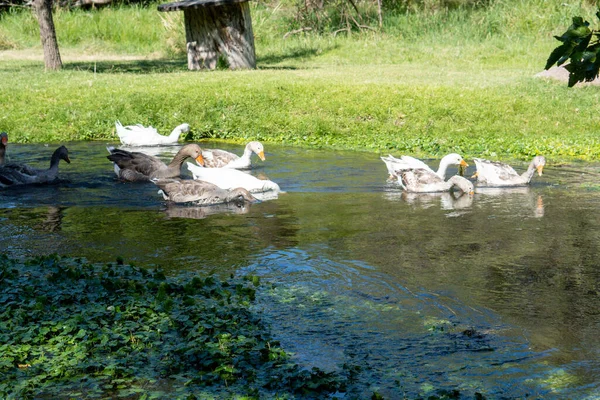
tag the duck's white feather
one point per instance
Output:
(224, 159)
(493, 173)
(226, 178)
(395, 165)
(139, 135)
(423, 181)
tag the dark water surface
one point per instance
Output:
(497, 294)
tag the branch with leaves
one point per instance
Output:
(581, 46)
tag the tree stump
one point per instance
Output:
(217, 28)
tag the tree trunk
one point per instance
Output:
(43, 11)
(221, 30)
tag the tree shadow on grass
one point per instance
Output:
(270, 60)
(129, 66)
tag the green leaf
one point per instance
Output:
(559, 55)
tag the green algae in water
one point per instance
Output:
(69, 327)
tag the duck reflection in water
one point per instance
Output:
(522, 197)
(201, 212)
(53, 220)
(445, 200)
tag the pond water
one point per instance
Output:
(497, 294)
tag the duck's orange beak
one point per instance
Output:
(539, 169)
(463, 163)
(475, 175)
(200, 160)
(261, 155)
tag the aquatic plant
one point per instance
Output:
(70, 329)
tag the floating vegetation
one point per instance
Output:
(70, 329)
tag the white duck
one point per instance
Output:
(232, 178)
(138, 135)
(224, 159)
(395, 165)
(493, 173)
(418, 180)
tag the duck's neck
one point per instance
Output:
(527, 175)
(441, 172)
(176, 133)
(247, 152)
(178, 160)
(54, 162)
(2, 153)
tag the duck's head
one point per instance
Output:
(3, 138)
(62, 154)
(240, 196)
(193, 151)
(539, 162)
(257, 148)
(465, 185)
(455, 159)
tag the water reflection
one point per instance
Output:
(523, 200)
(201, 212)
(53, 220)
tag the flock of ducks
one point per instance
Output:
(218, 177)
(415, 176)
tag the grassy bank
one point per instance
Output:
(426, 84)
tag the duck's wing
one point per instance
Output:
(396, 165)
(494, 172)
(135, 165)
(215, 158)
(422, 181)
(18, 174)
(415, 163)
(426, 176)
(20, 169)
(232, 178)
(138, 135)
(184, 191)
(392, 164)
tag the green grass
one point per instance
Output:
(427, 84)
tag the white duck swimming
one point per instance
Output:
(20, 174)
(224, 159)
(493, 173)
(232, 178)
(394, 165)
(139, 135)
(420, 180)
(200, 192)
